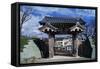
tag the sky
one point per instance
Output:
(37, 13)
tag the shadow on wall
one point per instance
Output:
(85, 49)
(43, 47)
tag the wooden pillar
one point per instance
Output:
(75, 45)
(73, 42)
(51, 45)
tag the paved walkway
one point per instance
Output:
(31, 50)
(61, 58)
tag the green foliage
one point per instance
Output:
(34, 38)
(23, 41)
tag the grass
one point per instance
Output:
(23, 41)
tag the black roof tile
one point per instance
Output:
(48, 19)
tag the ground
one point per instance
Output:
(61, 58)
(31, 54)
(31, 51)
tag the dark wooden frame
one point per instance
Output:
(15, 33)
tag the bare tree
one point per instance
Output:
(90, 30)
(25, 15)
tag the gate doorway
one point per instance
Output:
(62, 25)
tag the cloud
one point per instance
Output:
(62, 11)
(40, 11)
(85, 12)
(31, 25)
(30, 28)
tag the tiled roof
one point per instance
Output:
(48, 19)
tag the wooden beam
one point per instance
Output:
(75, 45)
(51, 45)
(73, 41)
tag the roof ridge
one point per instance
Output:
(62, 17)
